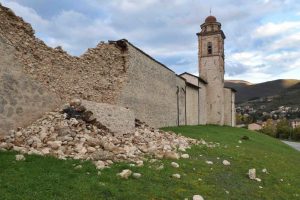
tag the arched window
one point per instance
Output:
(209, 48)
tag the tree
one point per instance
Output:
(284, 129)
(269, 128)
(296, 133)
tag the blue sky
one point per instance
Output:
(262, 36)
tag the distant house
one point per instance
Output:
(295, 123)
(254, 127)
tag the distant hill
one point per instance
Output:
(284, 88)
(289, 97)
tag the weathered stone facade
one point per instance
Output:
(154, 92)
(35, 78)
(219, 101)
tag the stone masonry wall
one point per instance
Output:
(150, 90)
(97, 75)
(21, 99)
(211, 68)
(203, 104)
(36, 75)
(227, 107)
(192, 108)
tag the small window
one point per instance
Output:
(209, 48)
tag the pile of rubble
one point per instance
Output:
(73, 132)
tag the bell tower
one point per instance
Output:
(211, 67)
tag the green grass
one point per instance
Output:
(49, 178)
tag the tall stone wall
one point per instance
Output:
(151, 90)
(34, 76)
(181, 91)
(227, 107)
(21, 99)
(192, 107)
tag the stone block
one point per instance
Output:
(117, 119)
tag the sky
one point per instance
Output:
(262, 36)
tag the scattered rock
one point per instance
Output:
(181, 148)
(125, 173)
(78, 167)
(185, 156)
(174, 164)
(260, 187)
(198, 197)
(226, 162)
(75, 102)
(136, 175)
(171, 155)
(161, 167)
(252, 174)
(264, 171)
(176, 176)
(72, 132)
(100, 164)
(258, 179)
(20, 157)
(240, 141)
(139, 163)
(209, 162)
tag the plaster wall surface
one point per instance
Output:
(181, 100)
(192, 108)
(233, 113)
(202, 104)
(227, 107)
(191, 79)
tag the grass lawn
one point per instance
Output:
(49, 178)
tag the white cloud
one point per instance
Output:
(273, 29)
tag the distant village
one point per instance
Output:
(255, 115)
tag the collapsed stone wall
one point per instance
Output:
(50, 75)
(96, 75)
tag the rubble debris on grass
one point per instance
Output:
(252, 175)
(198, 197)
(176, 176)
(174, 164)
(20, 157)
(73, 132)
(226, 162)
(125, 173)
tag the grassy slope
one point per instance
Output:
(49, 178)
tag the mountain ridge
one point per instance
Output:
(276, 88)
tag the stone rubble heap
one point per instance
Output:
(72, 132)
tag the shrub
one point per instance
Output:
(296, 134)
(269, 128)
(284, 129)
